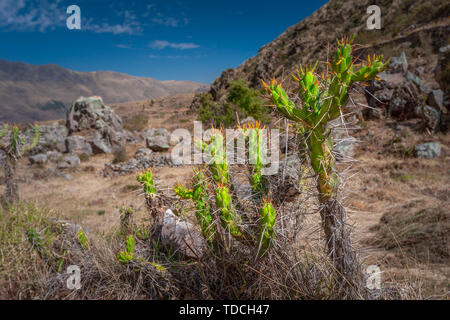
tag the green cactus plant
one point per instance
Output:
(323, 99)
(146, 179)
(267, 223)
(127, 256)
(199, 195)
(254, 135)
(14, 149)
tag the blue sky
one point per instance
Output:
(166, 40)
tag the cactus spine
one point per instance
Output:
(14, 149)
(321, 103)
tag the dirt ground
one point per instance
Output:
(383, 178)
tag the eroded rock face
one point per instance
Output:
(402, 95)
(184, 236)
(105, 130)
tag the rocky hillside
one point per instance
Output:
(417, 27)
(29, 92)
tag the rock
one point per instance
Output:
(91, 113)
(141, 162)
(413, 78)
(436, 99)
(106, 133)
(344, 149)
(38, 159)
(432, 118)
(157, 139)
(248, 120)
(51, 138)
(100, 144)
(68, 161)
(184, 236)
(54, 156)
(427, 150)
(143, 153)
(77, 145)
(398, 64)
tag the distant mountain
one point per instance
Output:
(417, 27)
(29, 92)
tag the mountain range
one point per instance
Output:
(30, 92)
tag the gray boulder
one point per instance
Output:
(106, 130)
(78, 145)
(398, 64)
(436, 99)
(68, 161)
(40, 158)
(91, 113)
(184, 236)
(427, 150)
(157, 139)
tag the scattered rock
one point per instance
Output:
(143, 154)
(54, 156)
(184, 236)
(428, 150)
(432, 117)
(68, 161)
(157, 139)
(77, 145)
(139, 163)
(38, 159)
(398, 64)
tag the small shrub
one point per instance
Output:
(120, 155)
(137, 122)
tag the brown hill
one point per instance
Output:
(29, 92)
(417, 27)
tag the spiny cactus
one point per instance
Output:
(254, 135)
(218, 158)
(268, 215)
(322, 101)
(14, 149)
(231, 220)
(146, 179)
(199, 195)
(127, 255)
(218, 166)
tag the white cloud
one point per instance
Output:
(122, 46)
(162, 44)
(130, 25)
(43, 15)
(31, 15)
